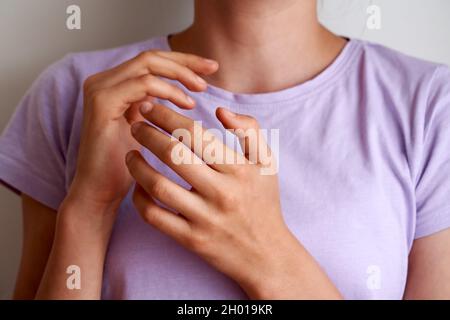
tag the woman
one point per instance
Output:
(361, 209)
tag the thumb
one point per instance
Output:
(246, 128)
(133, 113)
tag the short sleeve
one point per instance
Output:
(34, 143)
(433, 183)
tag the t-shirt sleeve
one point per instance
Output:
(433, 182)
(33, 144)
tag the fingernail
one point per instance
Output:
(135, 127)
(212, 62)
(190, 100)
(146, 107)
(201, 81)
(229, 113)
(129, 156)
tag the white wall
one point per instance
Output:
(33, 34)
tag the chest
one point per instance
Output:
(345, 199)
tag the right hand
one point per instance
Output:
(112, 100)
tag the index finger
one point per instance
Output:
(176, 66)
(202, 142)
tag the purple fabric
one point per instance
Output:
(364, 166)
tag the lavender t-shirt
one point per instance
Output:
(364, 166)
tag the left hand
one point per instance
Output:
(232, 215)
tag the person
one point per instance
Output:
(358, 209)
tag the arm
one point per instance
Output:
(429, 268)
(81, 239)
(38, 230)
(78, 233)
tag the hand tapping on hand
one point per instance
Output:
(232, 215)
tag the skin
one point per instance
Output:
(260, 254)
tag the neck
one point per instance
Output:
(261, 45)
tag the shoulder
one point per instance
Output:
(409, 98)
(394, 67)
(79, 65)
(58, 88)
(414, 86)
(55, 97)
(409, 71)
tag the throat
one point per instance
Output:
(261, 46)
(271, 66)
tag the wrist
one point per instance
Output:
(290, 272)
(81, 239)
(87, 217)
(86, 194)
(275, 271)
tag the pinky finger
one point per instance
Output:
(172, 224)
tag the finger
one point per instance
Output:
(174, 225)
(133, 114)
(178, 157)
(198, 64)
(120, 97)
(246, 128)
(171, 66)
(202, 142)
(150, 63)
(189, 204)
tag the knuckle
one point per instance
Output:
(191, 127)
(155, 51)
(148, 81)
(88, 82)
(145, 54)
(140, 55)
(97, 97)
(178, 75)
(241, 170)
(164, 117)
(158, 188)
(150, 214)
(146, 210)
(215, 223)
(189, 58)
(149, 56)
(198, 242)
(185, 73)
(216, 191)
(228, 201)
(139, 132)
(176, 94)
(168, 151)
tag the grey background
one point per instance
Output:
(33, 34)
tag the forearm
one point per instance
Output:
(81, 240)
